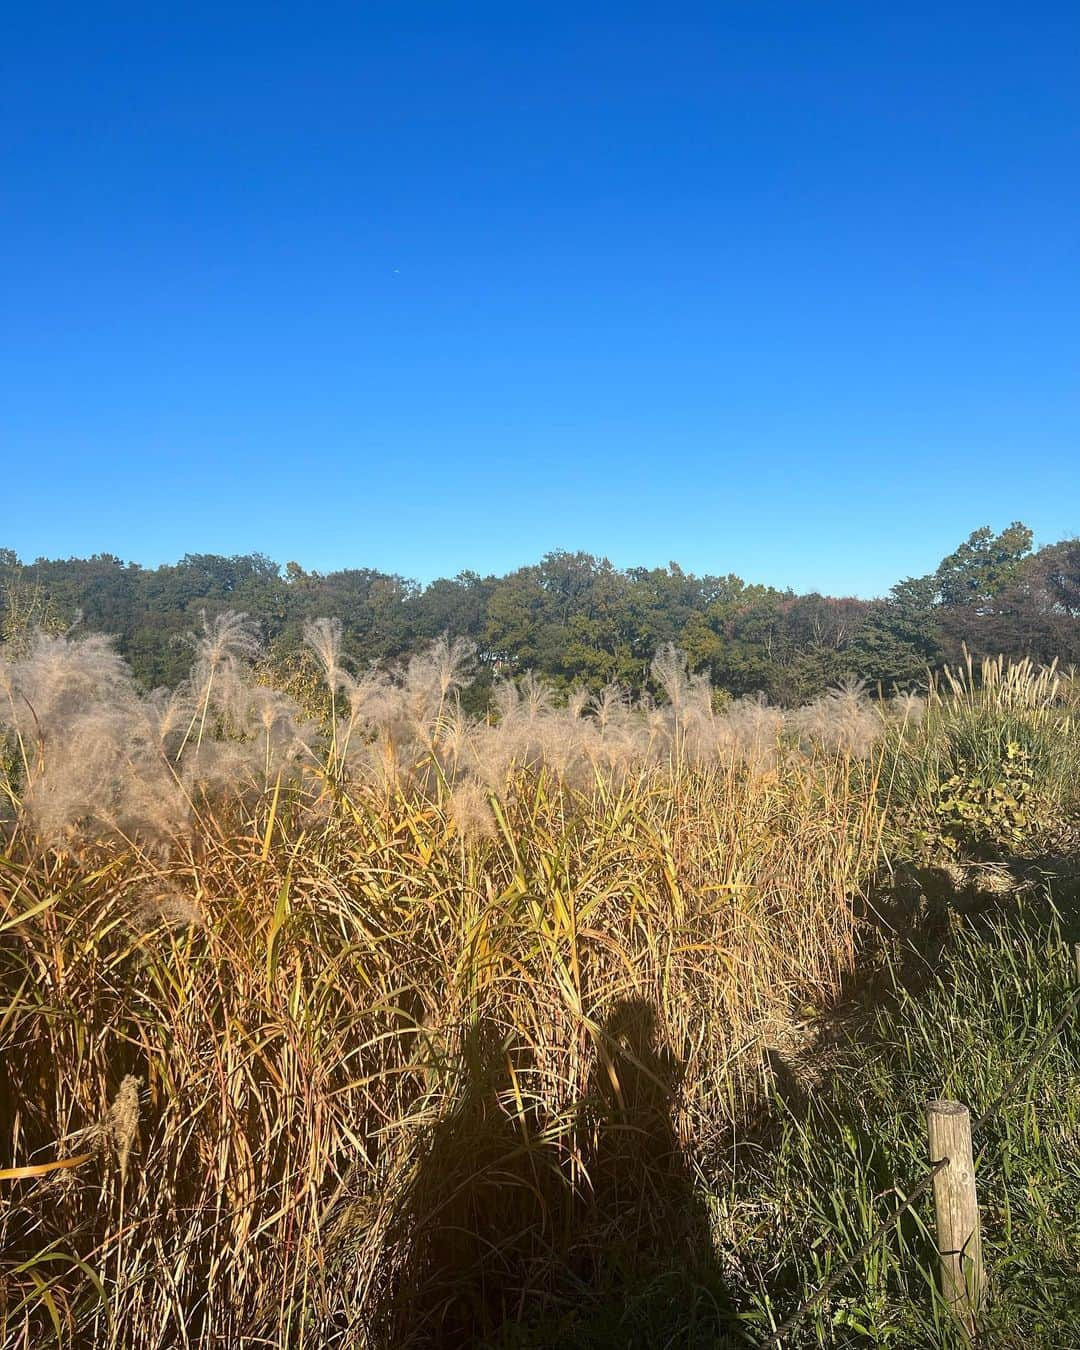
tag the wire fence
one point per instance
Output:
(926, 1182)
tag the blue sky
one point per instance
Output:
(790, 290)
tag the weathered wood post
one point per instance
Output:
(959, 1241)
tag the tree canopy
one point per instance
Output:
(576, 619)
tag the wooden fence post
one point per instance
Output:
(959, 1241)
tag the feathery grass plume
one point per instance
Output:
(323, 638)
(609, 707)
(535, 699)
(273, 725)
(669, 670)
(470, 810)
(657, 725)
(842, 720)
(274, 714)
(431, 680)
(228, 636)
(229, 639)
(750, 732)
(122, 1122)
(90, 745)
(396, 722)
(169, 711)
(619, 732)
(14, 751)
(58, 678)
(690, 720)
(89, 753)
(157, 904)
(908, 708)
(370, 700)
(1007, 686)
(578, 702)
(455, 742)
(520, 734)
(699, 719)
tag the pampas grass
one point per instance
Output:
(375, 980)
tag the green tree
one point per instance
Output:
(983, 565)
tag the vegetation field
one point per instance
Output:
(337, 1015)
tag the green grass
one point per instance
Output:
(815, 1185)
(996, 990)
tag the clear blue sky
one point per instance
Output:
(790, 290)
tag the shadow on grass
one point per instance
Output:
(512, 1240)
(520, 1231)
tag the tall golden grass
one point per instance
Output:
(338, 1070)
(296, 1000)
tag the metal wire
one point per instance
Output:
(849, 1265)
(924, 1185)
(1031, 1061)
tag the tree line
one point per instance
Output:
(576, 619)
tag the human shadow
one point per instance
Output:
(641, 1184)
(475, 1219)
(586, 1229)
